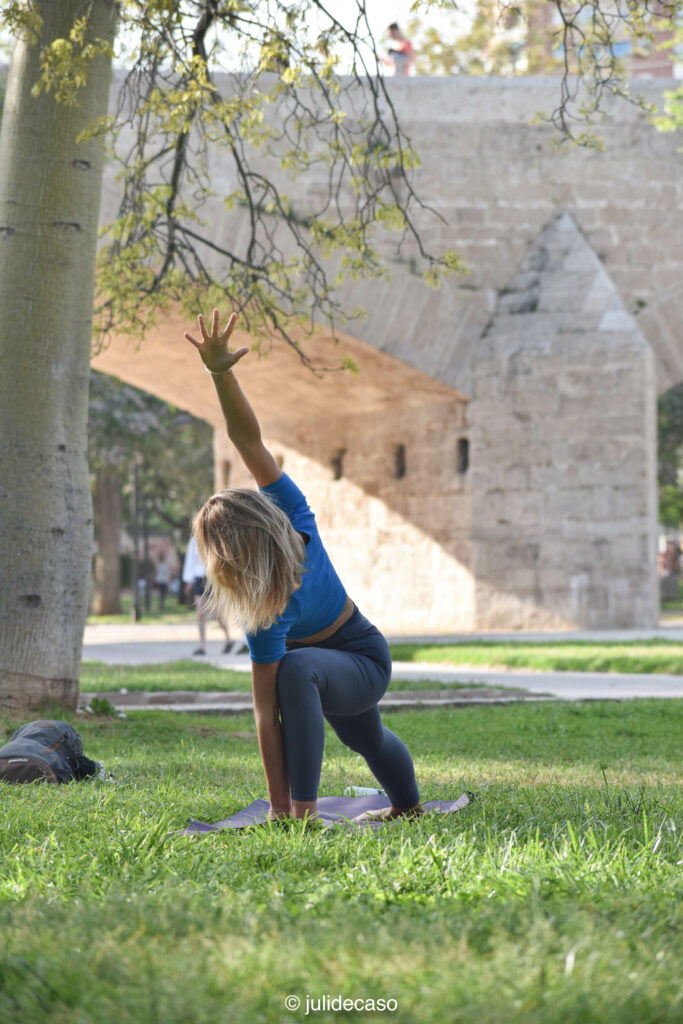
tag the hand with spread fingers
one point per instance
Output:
(213, 348)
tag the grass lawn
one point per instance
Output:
(556, 897)
(173, 613)
(570, 656)
(97, 677)
(643, 656)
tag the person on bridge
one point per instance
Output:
(401, 53)
(314, 656)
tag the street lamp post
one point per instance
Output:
(136, 612)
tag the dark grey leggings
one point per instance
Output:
(341, 679)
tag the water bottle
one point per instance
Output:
(363, 791)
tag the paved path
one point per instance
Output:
(233, 703)
(139, 644)
(161, 642)
(566, 685)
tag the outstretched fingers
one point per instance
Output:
(236, 356)
(213, 345)
(232, 320)
(215, 334)
(193, 341)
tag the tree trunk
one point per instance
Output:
(107, 593)
(50, 189)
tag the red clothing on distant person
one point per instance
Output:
(403, 46)
(401, 51)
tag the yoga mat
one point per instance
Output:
(331, 808)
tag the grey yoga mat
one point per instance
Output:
(331, 808)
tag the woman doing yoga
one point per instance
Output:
(314, 656)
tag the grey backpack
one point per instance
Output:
(45, 751)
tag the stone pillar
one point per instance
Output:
(563, 444)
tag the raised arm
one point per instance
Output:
(240, 419)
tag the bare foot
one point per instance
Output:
(389, 814)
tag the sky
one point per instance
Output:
(380, 14)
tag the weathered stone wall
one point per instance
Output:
(390, 493)
(563, 452)
(497, 179)
(560, 531)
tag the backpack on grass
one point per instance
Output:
(45, 751)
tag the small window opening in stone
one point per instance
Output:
(226, 469)
(280, 459)
(400, 461)
(337, 463)
(463, 455)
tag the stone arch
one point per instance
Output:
(504, 191)
(399, 539)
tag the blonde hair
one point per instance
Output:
(253, 556)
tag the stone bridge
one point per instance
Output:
(493, 464)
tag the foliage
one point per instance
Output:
(101, 706)
(171, 449)
(583, 43)
(670, 406)
(669, 450)
(500, 39)
(555, 897)
(671, 505)
(672, 117)
(254, 85)
(173, 614)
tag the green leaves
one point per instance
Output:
(672, 118)
(211, 163)
(189, 137)
(172, 448)
(66, 63)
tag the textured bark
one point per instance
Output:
(107, 593)
(50, 189)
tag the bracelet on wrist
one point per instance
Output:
(217, 373)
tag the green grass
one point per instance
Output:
(677, 605)
(655, 655)
(96, 677)
(173, 614)
(555, 897)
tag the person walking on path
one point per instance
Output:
(314, 656)
(194, 578)
(162, 578)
